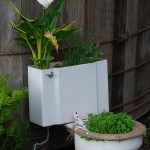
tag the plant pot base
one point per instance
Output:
(127, 141)
(130, 144)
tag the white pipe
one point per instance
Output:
(35, 145)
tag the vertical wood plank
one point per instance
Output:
(142, 50)
(8, 63)
(142, 78)
(130, 52)
(11, 64)
(118, 53)
(99, 22)
(73, 10)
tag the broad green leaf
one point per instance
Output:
(66, 26)
(29, 45)
(23, 41)
(44, 62)
(19, 14)
(16, 28)
(37, 22)
(29, 29)
(51, 16)
(65, 33)
(52, 24)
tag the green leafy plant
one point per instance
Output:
(110, 123)
(146, 137)
(89, 139)
(85, 51)
(13, 132)
(41, 34)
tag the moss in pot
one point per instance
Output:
(110, 123)
(107, 131)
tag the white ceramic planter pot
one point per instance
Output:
(128, 141)
(81, 88)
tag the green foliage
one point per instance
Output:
(110, 123)
(41, 34)
(89, 139)
(84, 137)
(85, 51)
(15, 136)
(12, 132)
(145, 136)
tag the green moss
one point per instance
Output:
(110, 123)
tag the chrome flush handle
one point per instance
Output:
(50, 75)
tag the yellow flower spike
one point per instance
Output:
(52, 39)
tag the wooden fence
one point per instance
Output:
(121, 26)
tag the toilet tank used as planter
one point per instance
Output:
(55, 94)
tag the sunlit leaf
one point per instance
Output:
(65, 33)
(51, 16)
(52, 39)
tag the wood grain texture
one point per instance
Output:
(130, 50)
(99, 24)
(142, 78)
(118, 53)
(73, 10)
(11, 64)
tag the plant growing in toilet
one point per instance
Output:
(109, 131)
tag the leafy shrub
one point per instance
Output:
(110, 123)
(85, 51)
(12, 131)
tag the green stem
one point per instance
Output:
(39, 41)
(43, 15)
(33, 52)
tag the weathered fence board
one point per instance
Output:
(118, 53)
(99, 23)
(10, 63)
(130, 50)
(142, 78)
